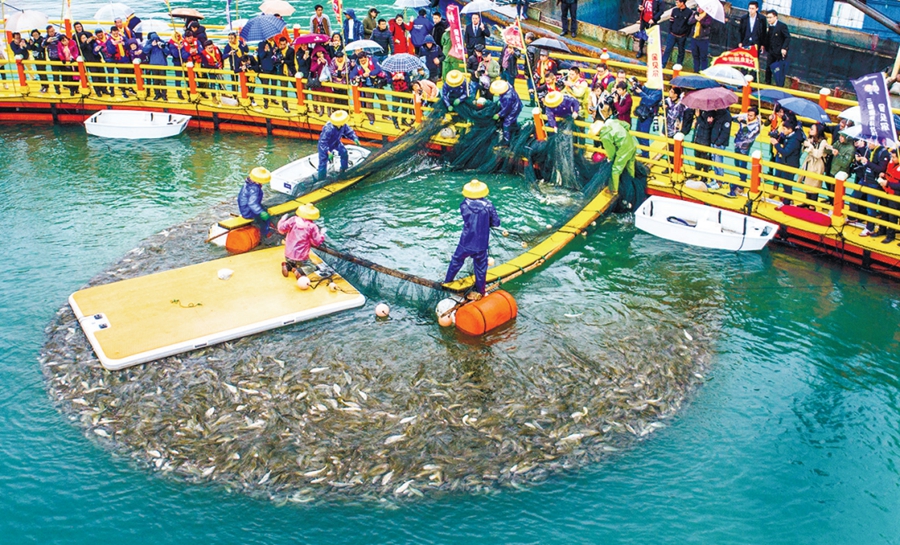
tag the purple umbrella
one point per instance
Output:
(710, 99)
(311, 39)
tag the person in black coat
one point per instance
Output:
(476, 34)
(703, 136)
(679, 29)
(752, 28)
(720, 136)
(788, 147)
(869, 166)
(778, 41)
(650, 12)
(440, 26)
(569, 10)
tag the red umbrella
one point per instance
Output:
(311, 39)
(716, 98)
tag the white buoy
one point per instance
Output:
(524, 244)
(332, 287)
(593, 224)
(382, 310)
(505, 233)
(549, 226)
(490, 262)
(303, 282)
(225, 274)
(444, 316)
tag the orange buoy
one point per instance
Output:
(491, 311)
(242, 240)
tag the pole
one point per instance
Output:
(527, 58)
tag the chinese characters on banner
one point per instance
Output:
(875, 108)
(654, 59)
(745, 58)
(457, 50)
(338, 6)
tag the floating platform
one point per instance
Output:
(147, 318)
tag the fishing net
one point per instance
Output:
(551, 164)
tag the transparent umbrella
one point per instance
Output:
(111, 12)
(477, 6)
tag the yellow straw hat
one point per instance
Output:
(553, 99)
(475, 190)
(260, 175)
(308, 212)
(499, 87)
(339, 118)
(455, 78)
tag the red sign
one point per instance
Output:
(457, 49)
(746, 58)
(338, 7)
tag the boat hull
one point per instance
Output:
(286, 178)
(135, 125)
(703, 226)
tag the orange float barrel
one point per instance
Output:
(491, 311)
(242, 240)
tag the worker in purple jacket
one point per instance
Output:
(560, 106)
(478, 215)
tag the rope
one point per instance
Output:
(382, 269)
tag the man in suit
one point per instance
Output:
(569, 9)
(752, 28)
(778, 41)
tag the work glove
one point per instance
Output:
(449, 108)
(456, 102)
(496, 117)
(356, 141)
(575, 115)
(330, 155)
(264, 215)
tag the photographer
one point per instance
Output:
(871, 164)
(646, 111)
(157, 53)
(367, 73)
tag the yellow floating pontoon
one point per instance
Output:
(147, 318)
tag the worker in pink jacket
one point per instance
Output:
(300, 235)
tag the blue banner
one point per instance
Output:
(877, 122)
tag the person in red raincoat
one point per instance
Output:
(398, 30)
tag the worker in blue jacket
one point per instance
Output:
(250, 199)
(510, 107)
(455, 89)
(560, 106)
(330, 140)
(353, 28)
(478, 215)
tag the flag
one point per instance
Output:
(744, 57)
(877, 120)
(228, 12)
(457, 49)
(338, 6)
(654, 59)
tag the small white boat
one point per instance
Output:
(702, 225)
(286, 178)
(133, 124)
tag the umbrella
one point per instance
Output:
(186, 13)
(725, 74)
(713, 8)
(855, 133)
(855, 115)
(366, 45)
(280, 7)
(311, 39)
(771, 95)
(26, 21)
(262, 28)
(717, 98)
(694, 82)
(477, 6)
(412, 3)
(235, 26)
(402, 62)
(804, 108)
(111, 12)
(551, 43)
(153, 25)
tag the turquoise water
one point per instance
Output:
(795, 437)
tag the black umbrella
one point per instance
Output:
(771, 95)
(551, 43)
(694, 82)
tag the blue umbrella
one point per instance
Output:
(804, 108)
(262, 28)
(402, 62)
(771, 95)
(694, 82)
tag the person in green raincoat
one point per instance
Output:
(450, 62)
(620, 147)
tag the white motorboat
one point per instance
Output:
(286, 178)
(134, 124)
(702, 225)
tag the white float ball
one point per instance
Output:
(445, 321)
(332, 287)
(382, 310)
(505, 233)
(303, 282)
(490, 262)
